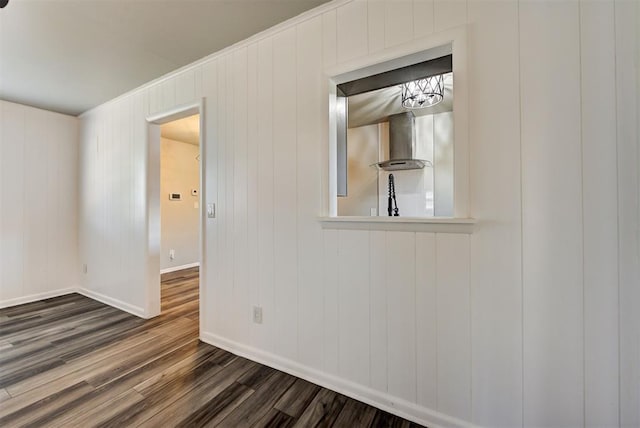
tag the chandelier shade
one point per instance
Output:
(423, 93)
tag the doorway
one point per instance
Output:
(175, 219)
(179, 208)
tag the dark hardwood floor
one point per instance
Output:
(73, 362)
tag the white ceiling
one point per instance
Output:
(72, 55)
(186, 130)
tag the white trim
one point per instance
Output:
(381, 400)
(418, 50)
(176, 112)
(202, 201)
(153, 297)
(454, 39)
(404, 224)
(181, 267)
(36, 297)
(118, 304)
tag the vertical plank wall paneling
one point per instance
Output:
(329, 37)
(401, 314)
(453, 325)
(423, 18)
(352, 30)
(127, 170)
(225, 198)
(211, 233)
(329, 58)
(38, 216)
(37, 128)
(627, 17)
(285, 192)
(399, 22)
(13, 216)
(137, 224)
(115, 234)
(188, 85)
(12, 140)
(84, 181)
(513, 325)
(253, 211)
(330, 302)
(496, 267)
(353, 305)
(378, 313)
(309, 148)
(61, 249)
(449, 13)
(240, 180)
(122, 131)
(426, 303)
(168, 94)
(600, 205)
(266, 202)
(552, 215)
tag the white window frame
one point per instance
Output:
(453, 42)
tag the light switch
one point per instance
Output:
(211, 210)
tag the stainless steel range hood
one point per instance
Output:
(402, 144)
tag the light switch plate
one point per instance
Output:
(211, 210)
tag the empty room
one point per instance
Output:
(312, 213)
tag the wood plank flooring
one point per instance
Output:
(73, 362)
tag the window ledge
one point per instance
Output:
(404, 224)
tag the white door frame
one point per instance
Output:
(152, 296)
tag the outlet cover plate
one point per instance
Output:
(257, 314)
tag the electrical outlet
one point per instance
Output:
(172, 254)
(257, 314)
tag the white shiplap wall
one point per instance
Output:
(38, 207)
(529, 321)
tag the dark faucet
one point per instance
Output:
(392, 199)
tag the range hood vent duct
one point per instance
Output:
(402, 144)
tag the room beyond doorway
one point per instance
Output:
(180, 194)
(180, 253)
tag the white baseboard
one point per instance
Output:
(35, 297)
(175, 268)
(134, 310)
(381, 400)
(119, 304)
